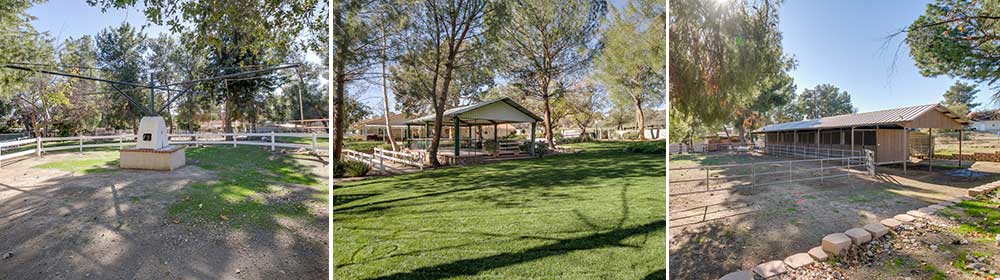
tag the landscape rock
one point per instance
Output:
(738, 275)
(798, 260)
(917, 213)
(904, 218)
(770, 269)
(818, 253)
(858, 235)
(891, 223)
(836, 243)
(877, 230)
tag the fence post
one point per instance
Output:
(38, 145)
(121, 142)
(80, 136)
(706, 179)
(314, 142)
(272, 140)
(753, 176)
(821, 173)
(234, 139)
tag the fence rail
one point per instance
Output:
(25, 147)
(701, 179)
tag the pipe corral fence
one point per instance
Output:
(26, 147)
(810, 164)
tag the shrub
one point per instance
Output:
(354, 138)
(356, 168)
(540, 147)
(490, 146)
(632, 135)
(647, 147)
(338, 168)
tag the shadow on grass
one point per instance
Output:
(469, 267)
(254, 187)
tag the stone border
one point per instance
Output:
(840, 242)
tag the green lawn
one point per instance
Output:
(249, 189)
(247, 176)
(597, 214)
(302, 140)
(95, 162)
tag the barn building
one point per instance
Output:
(888, 133)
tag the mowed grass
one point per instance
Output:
(96, 162)
(248, 191)
(597, 214)
(302, 140)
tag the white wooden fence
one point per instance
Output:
(33, 145)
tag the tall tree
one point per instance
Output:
(353, 41)
(631, 66)
(719, 53)
(120, 51)
(960, 97)
(776, 93)
(440, 36)
(824, 100)
(548, 43)
(958, 38)
(586, 102)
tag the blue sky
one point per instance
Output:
(844, 43)
(74, 18)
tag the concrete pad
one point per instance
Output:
(904, 218)
(818, 253)
(858, 235)
(918, 214)
(738, 275)
(877, 230)
(891, 223)
(798, 260)
(168, 158)
(770, 269)
(836, 243)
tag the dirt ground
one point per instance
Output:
(740, 228)
(113, 225)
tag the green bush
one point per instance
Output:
(631, 135)
(540, 147)
(356, 168)
(647, 147)
(354, 138)
(490, 146)
(338, 168)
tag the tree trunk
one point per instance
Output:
(385, 94)
(639, 118)
(227, 120)
(338, 116)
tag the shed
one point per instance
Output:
(885, 132)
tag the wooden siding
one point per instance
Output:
(933, 119)
(890, 145)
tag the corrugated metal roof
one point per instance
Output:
(890, 116)
(457, 111)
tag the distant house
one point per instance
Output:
(375, 129)
(988, 121)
